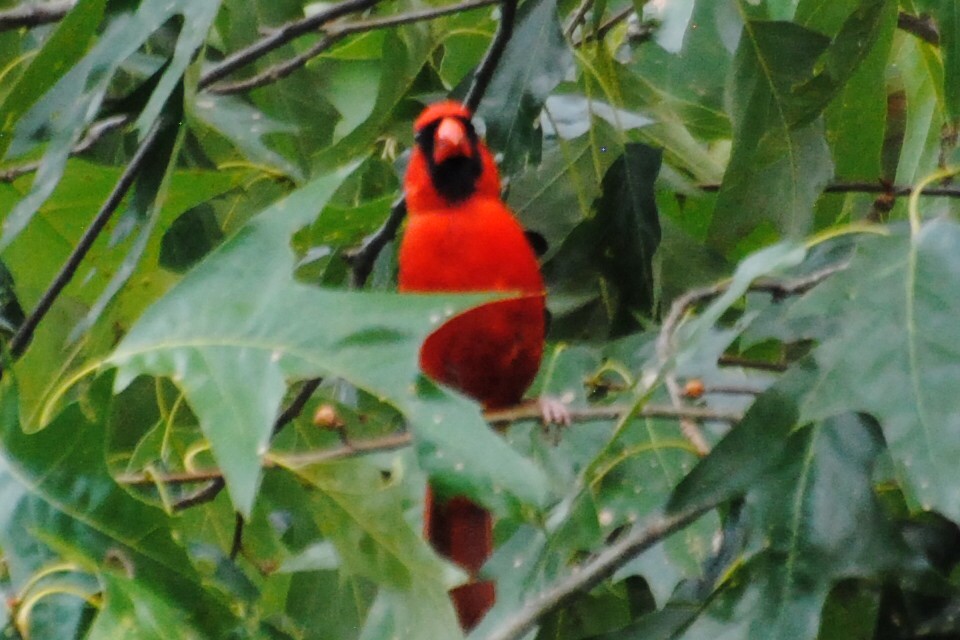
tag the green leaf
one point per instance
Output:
(776, 169)
(850, 46)
(820, 522)
(696, 337)
(246, 127)
(63, 113)
(627, 212)
(856, 119)
(67, 44)
(743, 455)
(42, 248)
(238, 325)
(894, 305)
(131, 610)
(535, 61)
(556, 195)
(921, 75)
(410, 615)
(60, 500)
(361, 514)
(947, 13)
(405, 52)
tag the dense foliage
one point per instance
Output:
(211, 421)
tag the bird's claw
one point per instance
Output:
(555, 415)
(554, 411)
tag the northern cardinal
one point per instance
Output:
(461, 237)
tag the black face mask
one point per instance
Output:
(455, 179)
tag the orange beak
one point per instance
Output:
(451, 140)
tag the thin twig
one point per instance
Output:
(34, 15)
(484, 72)
(732, 389)
(295, 408)
(605, 28)
(578, 16)
(533, 412)
(584, 577)
(922, 26)
(693, 297)
(96, 131)
(217, 484)
(334, 34)
(279, 37)
(201, 496)
(613, 21)
(236, 545)
(362, 258)
(897, 191)
(400, 440)
(22, 338)
(689, 428)
(682, 305)
(750, 363)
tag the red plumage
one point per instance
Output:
(461, 237)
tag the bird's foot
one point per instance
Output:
(554, 411)
(555, 416)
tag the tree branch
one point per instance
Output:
(217, 484)
(34, 15)
(334, 34)
(96, 131)
(922, 26)
(484, 72)
(777, 288)
(898, 191)
(400, 440)
(578, 16)
(279, 37)
(587, 575)
(23, 335)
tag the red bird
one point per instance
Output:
(461, 237)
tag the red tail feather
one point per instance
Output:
(463, 532)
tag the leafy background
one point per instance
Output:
(211, 419)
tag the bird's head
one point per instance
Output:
(449, 163)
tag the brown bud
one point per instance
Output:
(326, 417)
(694, 388)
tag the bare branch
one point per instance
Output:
(689, 428)
(34, 15)
(362, 258)
(201, 496)
(777, 288)
(279, 37)
(587, 575)
(732, 389)
(750, 363)
(484, 72)
(212, 490)
(922, 26)
(897, 191)
(532, 412)
(614, 20)
(295, 408)
(96, 131)
(578, 16)
(22, 338)
(334, 34)
(400, 440)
